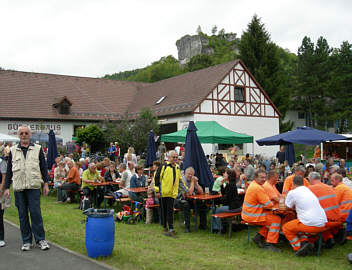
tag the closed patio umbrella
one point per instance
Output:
(52, 150)
(151, 150)
(195, 157)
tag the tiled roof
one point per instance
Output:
(183, 93)
(31, 95)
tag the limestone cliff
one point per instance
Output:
(189, 46)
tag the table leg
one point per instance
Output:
(213, 209)
(195, 215)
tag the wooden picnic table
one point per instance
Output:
(104, 185)
(101, 184)
(201, 197)
(138, 189)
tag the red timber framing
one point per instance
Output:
(238, 94)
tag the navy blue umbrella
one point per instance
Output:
(290, 154)
(151, 150)
(302, 135)
(52, 150)
(195, 157)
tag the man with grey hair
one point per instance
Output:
(167, 177)
(27, 170)
(328, 201)
(90, 176)
(288, 184)
(191, 188)
(248, 170)
(318, 166)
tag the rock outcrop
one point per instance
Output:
(189, 46)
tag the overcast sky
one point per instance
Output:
(97, 37)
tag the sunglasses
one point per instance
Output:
(24, 133)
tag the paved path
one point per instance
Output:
(11, 256)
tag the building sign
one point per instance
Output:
(36, 127)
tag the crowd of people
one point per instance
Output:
(289, 203)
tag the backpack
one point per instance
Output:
(85, 204)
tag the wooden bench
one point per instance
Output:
(329, 225)
(227, 217)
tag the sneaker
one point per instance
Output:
(68, 200)
(43, 244)
(271, 247)
(306, 247)
(349, 257)
(171, 234)
(258, 240)
(2, 243)
(26, 247)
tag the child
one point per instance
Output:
(149, 211)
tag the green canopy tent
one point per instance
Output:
(209, 132)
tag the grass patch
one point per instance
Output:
(143, 246)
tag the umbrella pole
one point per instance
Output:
(321, 151)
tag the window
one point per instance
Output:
(239, 93)
(76, 127)
(160, 100)
(63, 105)
(301, 115)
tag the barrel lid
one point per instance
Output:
(98, 213)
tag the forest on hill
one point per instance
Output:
(316, 81)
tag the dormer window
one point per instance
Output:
(160, 100)
(63, 106)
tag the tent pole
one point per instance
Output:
(321, 151)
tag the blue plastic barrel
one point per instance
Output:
(100, 233)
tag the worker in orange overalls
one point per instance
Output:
(311, 217)
(300, 170)
(275, 195)
(256, 210)
(328, 201)
(270, 188)
(344, 199)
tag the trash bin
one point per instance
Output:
(100, 232)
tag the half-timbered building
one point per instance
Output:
(226, 93)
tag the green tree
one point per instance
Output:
(214, 30)
(311, 94)
(141, 127)
(134, 132)
(93, 136)
(261, 56)
(165, 68)
(198, 62)
(340, 89)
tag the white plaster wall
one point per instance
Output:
(293, 116)
(255, 126)
(182, 120)
(63, 130)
